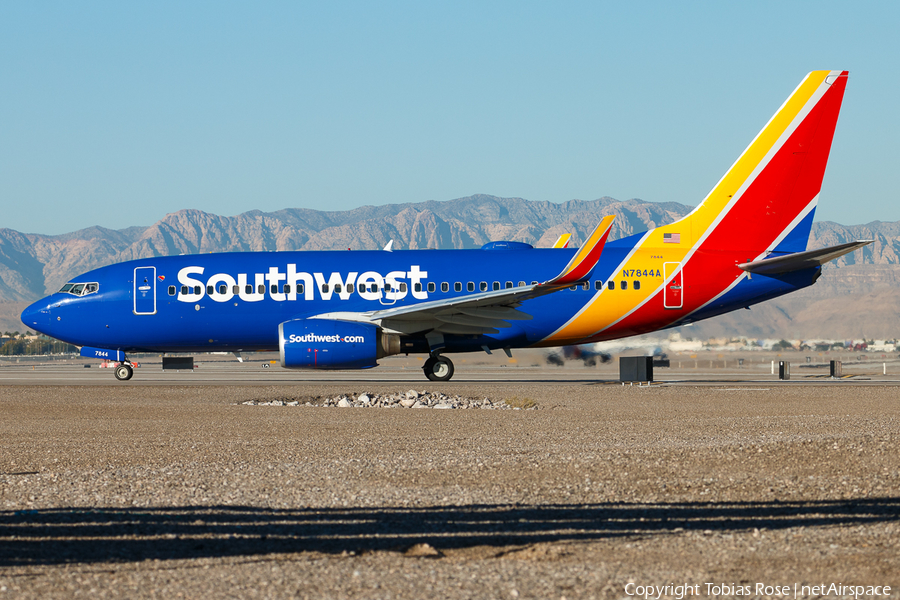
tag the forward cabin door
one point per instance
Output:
(145, 291)
(673, 296)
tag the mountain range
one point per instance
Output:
(856, 296)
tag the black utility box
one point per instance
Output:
(636, 368)
(178, 363)
(784, 370)
(836, 369)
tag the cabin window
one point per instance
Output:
(209, 289)
(573, 288)
(261, 288)
(184, 290)
(273, 289)
(610, 285)
(300, 288)
(637, 285)
(171, 290)
(445, 287)
(349, 288)
(197, 290)
(337, 288)
(509, 285)
(402, 287)
(470, 286)
(521, 284)
(457, 286)
(223, 289)
(418, 287)
(598, 285)
(496, 285)
(287, 289)
(586, 285)
(248, 289)
(236, 289)
(623, 284)
(324, 288)
(483, 286)
(430, 286)
(534, 283)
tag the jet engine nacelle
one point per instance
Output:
(328, 344)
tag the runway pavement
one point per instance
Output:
(168, 485)
(531, 368)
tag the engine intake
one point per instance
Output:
(329, 344)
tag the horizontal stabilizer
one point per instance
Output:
(801, 260)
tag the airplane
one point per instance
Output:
(743, 244)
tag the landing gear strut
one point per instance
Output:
(124, 372)
(438, 368)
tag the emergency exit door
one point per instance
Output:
(145, 291)
(673, 293)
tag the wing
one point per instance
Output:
(483, 312)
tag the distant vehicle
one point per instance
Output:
(745, 243)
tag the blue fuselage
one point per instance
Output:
(236, 301)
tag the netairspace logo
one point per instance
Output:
(329, 339)
(798, 590)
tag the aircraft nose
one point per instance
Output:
(37, 316)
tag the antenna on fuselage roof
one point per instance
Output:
(387, 247)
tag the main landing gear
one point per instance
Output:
(124, 371)
(438, 368)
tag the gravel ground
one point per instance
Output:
(168, 492)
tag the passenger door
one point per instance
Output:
(673, 296)
(145, 291)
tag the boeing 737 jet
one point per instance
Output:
(745, 243)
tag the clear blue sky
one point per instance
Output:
(117, 113)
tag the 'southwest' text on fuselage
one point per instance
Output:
(290, 284)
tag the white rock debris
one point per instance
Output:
(410, 399)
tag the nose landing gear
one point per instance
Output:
(124, 372)
(438, 368)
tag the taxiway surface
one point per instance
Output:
(168, 485)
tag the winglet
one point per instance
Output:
(563, 241)
(587, 256)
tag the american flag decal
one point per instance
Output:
(671, 238)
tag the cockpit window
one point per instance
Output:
(80, 289)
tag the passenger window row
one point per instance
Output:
(373, 288)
